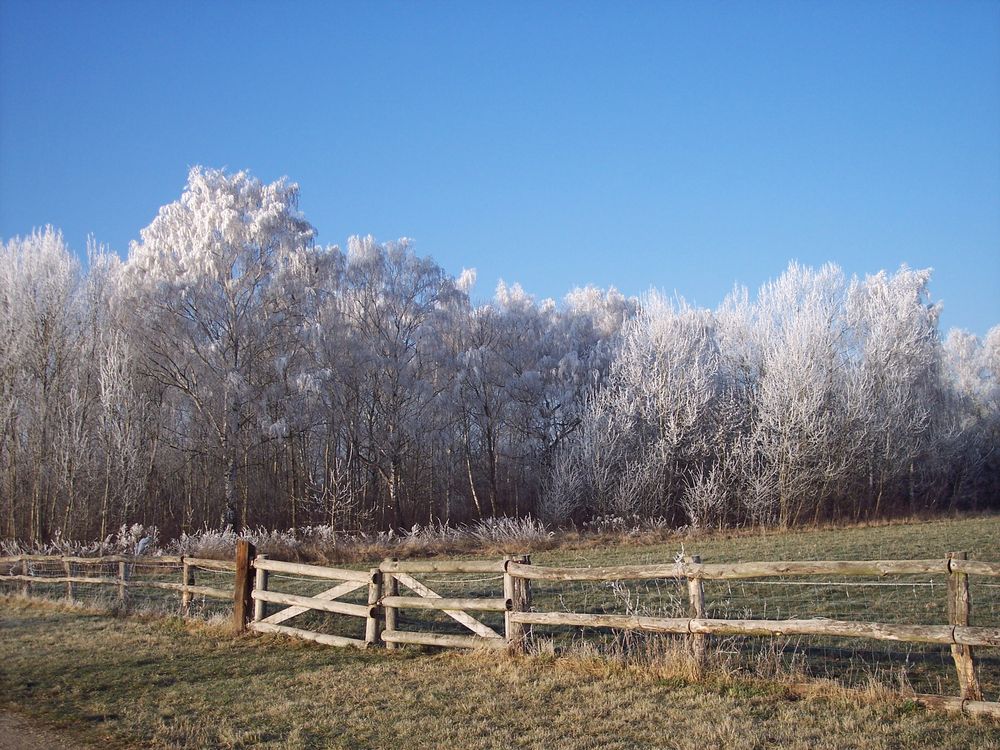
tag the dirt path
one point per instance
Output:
(20, 733)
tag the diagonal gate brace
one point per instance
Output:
(328, 595)
(468, 621)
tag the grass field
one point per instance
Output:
(162, 682)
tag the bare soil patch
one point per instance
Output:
(21, 733)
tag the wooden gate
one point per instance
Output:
(324, 601)
(381, 613)
(398, 573)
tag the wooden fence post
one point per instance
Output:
(696, 598)
(959, 605)
(187, 579)
(390, 587)
(260, 584)
(243, 585)
(372, 629)
(509, 628)
(518, 590)
(523, 588)
(68, 569)
(121, 580)
(25, 571)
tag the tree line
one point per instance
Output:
(232, 371)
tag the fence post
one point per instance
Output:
(390, 587)
(509, 628)
(25, 571)
(243, 585)
(187, 579)
(523, 587)
(696, 598)
(959, 605)
(519, 593)
(121, 580)
(68, 569)
(372, 630)
(259, 584)
(518, 590)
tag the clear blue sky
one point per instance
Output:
(686, 146)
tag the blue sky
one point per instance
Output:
(686, 146)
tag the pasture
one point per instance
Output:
(160, 681)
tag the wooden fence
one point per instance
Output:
(958, 633)
(384, 602)
(253, 589)
(184, 566)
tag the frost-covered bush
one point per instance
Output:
(124, 542)
(315, 543)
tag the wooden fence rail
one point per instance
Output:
(314, 571)
(944, 634)
(737, 571)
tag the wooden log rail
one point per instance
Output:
(207, 591)
(309, 635)
(943, 634)
(736, 571)
(334, 607)
(974, 567)
(224, 566)
(443, 566)
(314, 571)
(419, 602)
(104, 559)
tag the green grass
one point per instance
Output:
(979, 536)
(160, 682)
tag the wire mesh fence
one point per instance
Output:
(904, 600)
(122, 583)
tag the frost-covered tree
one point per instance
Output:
(46, 392)
(650, 431)
(799, 420)
(820, 398)
(396, 305)
(972, 459)
(230, 367)
(208, 281)
(898, 403)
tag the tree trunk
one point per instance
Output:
(472, 484)
(229, 517)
